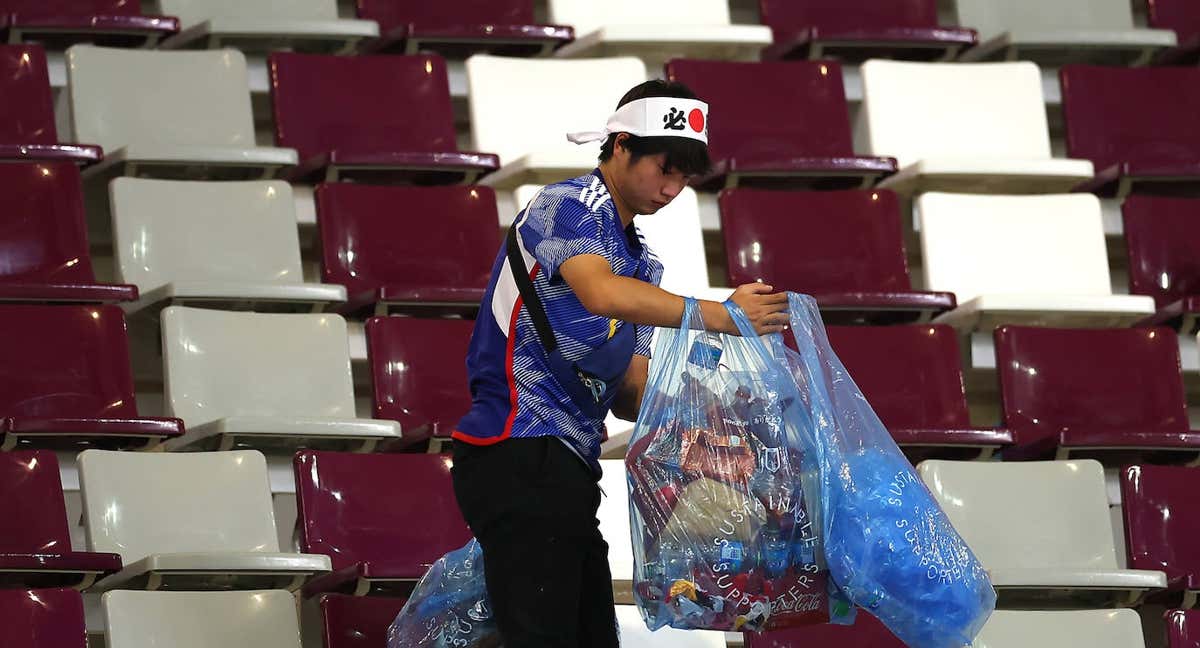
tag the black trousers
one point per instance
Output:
(532, 505)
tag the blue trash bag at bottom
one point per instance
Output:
(449, 607)
(888, 545)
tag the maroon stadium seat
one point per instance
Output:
(383, 118)
(382, 519)
(408, 249)
(912, 377)
(418, 372)
(1138, 126)
(1111, 394)
(27, 131)
(459, 28)
(1183, 628)
(43, 238)
(1162, 524)
(856, 30)
(61, 23)
(35, 542)
(1162, 236)
(65, 381)
(780, 123)
(44, 618)
(846, 248)
(1183, 16)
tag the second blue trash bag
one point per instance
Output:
(888, 545)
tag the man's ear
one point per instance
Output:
(619, 143)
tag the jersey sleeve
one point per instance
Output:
(651, 272)
(558, 226)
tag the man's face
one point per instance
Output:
(646, 185)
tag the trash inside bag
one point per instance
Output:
(449, 607)
(723, 488)
(888, 545)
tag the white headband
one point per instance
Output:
(654, 117)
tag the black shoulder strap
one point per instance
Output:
(533, 304)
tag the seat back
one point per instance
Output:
(361, 103)
(1183, 628)
(512, 115)
(913, 111)
(415, 237)
(42, 617)
(399, 508)
(791, 16)
(1113, 115)
(1183, 16)
(142, 503)
(1162, 521)
(675, 237)
(911, 375)
(358, 621)
(391, 14)
(587, 16)
(65, 361)
(1099, 628)
(1162, 236)
(994, 17)
(27, 112)
(55, 8)
(806, 99)
(867, 632)
(1054, 380)
(249, 226)
(1027, 515)
(43, 223)
(969, 241)
(635, 635)
(244, 619)
(614, 518)
(191, 12)
(221, 364)
(34, 516)
(814, 242)
(121, 97)
(418, 374)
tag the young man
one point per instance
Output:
(563, 336)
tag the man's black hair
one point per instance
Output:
(684, 154)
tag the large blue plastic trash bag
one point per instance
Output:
(887, 543)
(449, 607)
(722, 486)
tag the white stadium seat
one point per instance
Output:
(657, 31)
(178, 114)
(522, 109)
(195, 520)
(264, 380)
(264, 619)
(614, 526)
(212, 243)
(978, 127)
(1035, 260)
(1042, 530)
(266, 24)
(1063, 629)
(1059, 32)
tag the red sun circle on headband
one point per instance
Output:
(696, 120)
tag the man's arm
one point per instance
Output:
(628, 401)
(631, 300)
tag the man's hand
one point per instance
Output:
(765, 309)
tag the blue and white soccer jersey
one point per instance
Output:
(513, 392)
